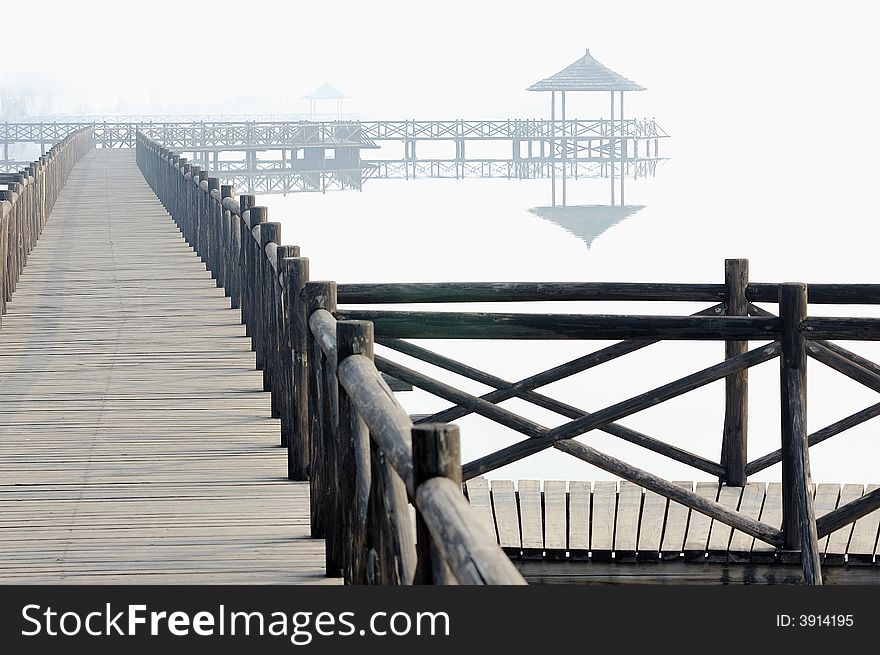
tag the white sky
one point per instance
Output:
(453, 58)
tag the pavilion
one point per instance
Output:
(585, 74)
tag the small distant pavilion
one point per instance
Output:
(323, 93)
(585, 74)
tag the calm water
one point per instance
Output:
(791, 224)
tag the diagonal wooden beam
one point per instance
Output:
(483, 408)
(578, 365)
(848, 513)
(768, 460)
(620, 410)
(843, 361)
(569, 411)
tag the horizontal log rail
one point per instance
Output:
(449, 292)
(26, 200)
(348, 435)
(480, 325)
(462, 292)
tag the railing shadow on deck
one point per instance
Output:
(346, 433)
(26, 200)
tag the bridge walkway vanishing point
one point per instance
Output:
(136, 444)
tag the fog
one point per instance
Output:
(771, 108)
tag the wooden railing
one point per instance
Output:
(343, 429)
(27, 199)
(346, 432)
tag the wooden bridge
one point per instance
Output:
(284, 156)
(140, 444)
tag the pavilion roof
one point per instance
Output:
(325, 92)
(586, 74)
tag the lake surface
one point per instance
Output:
(793, 222)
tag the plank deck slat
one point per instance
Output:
(506, 515)
(749, 505)
(530, 518)
(824, 501)
(838, 541)
(720, 533)
(481, 503)
(697, 538)
(864, 536)
(604, 511)
(771, 514)
(555, 518)
(675, 529)
(651, 526)
(579, 511)
(136, 444)
(629, 509)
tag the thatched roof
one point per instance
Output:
(325, 92)
(586, 74)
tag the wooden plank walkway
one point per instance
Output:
(595, 529)
(135, 440)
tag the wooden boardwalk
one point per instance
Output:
(619, 532)
(136, 444)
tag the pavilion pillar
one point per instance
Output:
(553, 148)
(611, 147)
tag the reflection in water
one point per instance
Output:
(586, 222)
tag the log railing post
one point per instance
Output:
(320, 295)
(798, 518)
(734, 448)
(255, 216)
(191, 209)
(225, 234)
(296, 274)
(380, 536)
(436, 453)
(201, 215)
(238, 255)
(354, 471)
(179, 195)
(283, 381)
(212, 227)
(265, 316)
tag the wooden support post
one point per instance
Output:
(201, 204)
(322, 425)
(296, 273)
(190, 212)
(224, 247)
(734, 448)
(212, 227)
(436, 453)
(283, 375)
(249, 276)
(238, 256)
(266, 321)
(798, 518)
(354, 469)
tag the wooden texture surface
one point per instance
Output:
(136, 444)
(604, 520)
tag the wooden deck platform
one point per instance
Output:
(609, 532)
(135, 440)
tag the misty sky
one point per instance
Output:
(451, 58)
